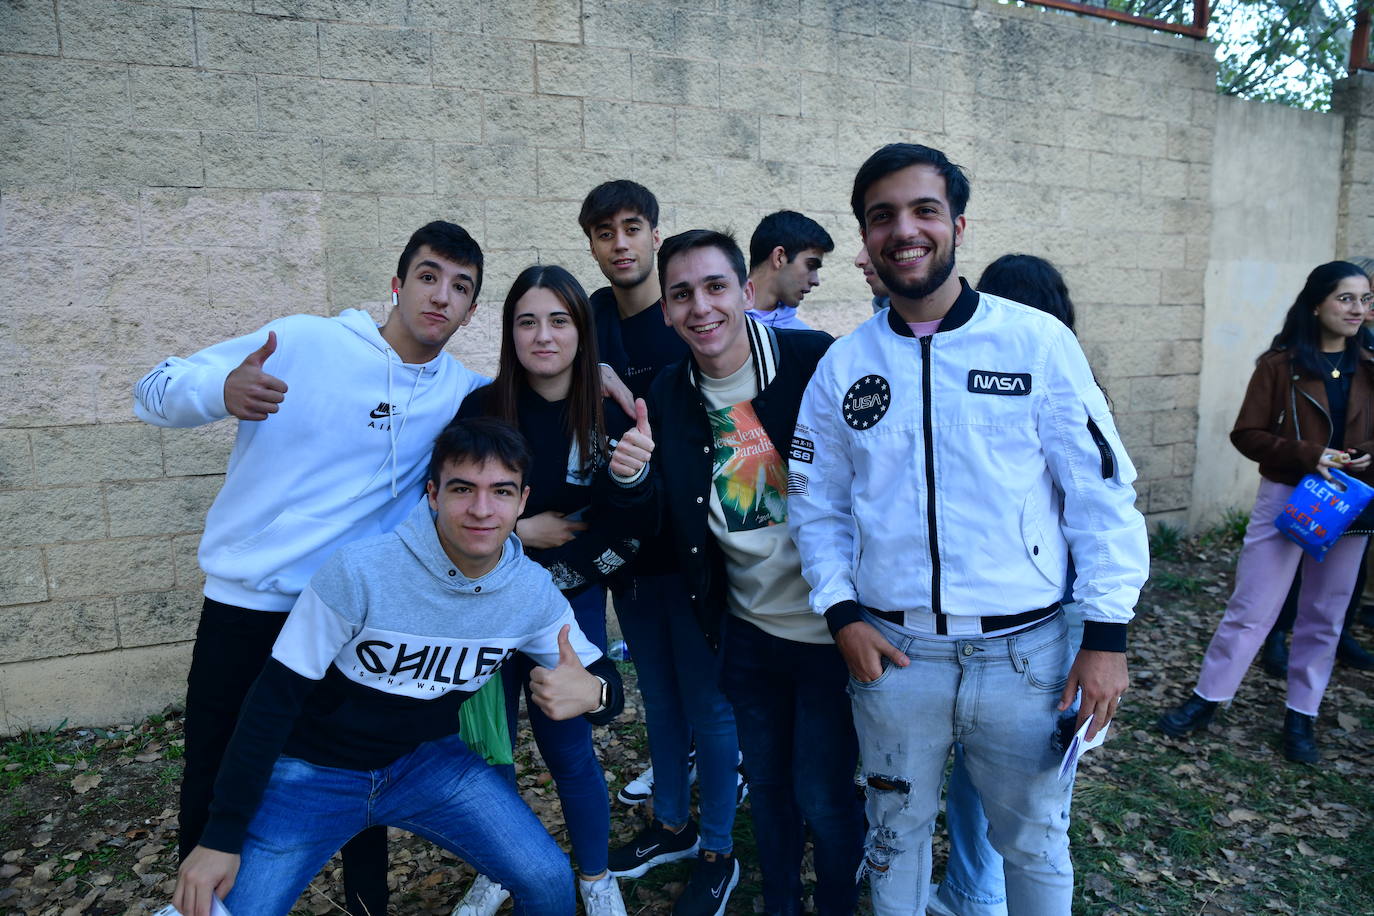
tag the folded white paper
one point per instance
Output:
(1080, 745)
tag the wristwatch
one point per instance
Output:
(605, 695)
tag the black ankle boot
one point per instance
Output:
(1195, 713)
(1299, 745)
(1351, 654)
(1274, 656)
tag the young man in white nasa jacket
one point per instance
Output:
(337, 419)
(949, 455)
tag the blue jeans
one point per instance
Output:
(973, 883)
(232, 645)
(797, 733)
(997, 697)
(440, 791)
(567, 746)
(678, 679)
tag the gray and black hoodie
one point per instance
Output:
(382, 647)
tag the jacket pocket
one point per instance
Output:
(1046, 548)
(1113, 463)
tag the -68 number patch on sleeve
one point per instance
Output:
(866, 401)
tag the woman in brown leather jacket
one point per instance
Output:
(1309, 407)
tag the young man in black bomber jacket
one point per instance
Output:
(720, 481)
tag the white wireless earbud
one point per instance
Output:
(395, 297)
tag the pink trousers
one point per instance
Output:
(1264, 573)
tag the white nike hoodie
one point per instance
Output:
(344, 458)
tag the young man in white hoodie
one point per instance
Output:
(337, 419)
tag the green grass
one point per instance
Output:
(37, 752)
(1166, 810)
(1166, 542)
(1172, 582)
(98, 860)
(1228, 532)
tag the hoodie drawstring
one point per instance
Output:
(405, 415)
(394, 433)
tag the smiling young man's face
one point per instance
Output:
(909, 231)
(478, 504)
(704, 302)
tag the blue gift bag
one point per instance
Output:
(1319, 510)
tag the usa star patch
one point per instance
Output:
(867, 401)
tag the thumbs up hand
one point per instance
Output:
(249, 392)
(568, 690)
(634, 448)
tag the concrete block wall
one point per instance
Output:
(178, 171)
(1354, 99)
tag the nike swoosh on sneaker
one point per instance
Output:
(641, 853)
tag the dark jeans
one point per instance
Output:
(679, 680)
(567, 746)
(800, 750)
(232, 645)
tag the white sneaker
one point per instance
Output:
(601, 897)
(638, 790)
(483, 899)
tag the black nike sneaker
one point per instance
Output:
(708, 890)
(655, 845)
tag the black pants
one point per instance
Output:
(232, 645)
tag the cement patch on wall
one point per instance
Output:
(1275, 189)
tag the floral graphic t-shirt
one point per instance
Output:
(750, 478)
(748, 515)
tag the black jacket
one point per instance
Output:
(680, 479)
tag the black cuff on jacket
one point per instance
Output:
(605, 669)
(842, 615)
(1104, 637)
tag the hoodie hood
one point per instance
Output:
(361, 322)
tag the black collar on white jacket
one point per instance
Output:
(957, 316)
(763, 353)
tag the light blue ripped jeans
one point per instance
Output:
(998, 698)
(973, 884)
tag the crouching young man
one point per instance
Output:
(353, 721)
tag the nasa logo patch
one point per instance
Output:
(866, 401)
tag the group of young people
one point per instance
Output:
(834, 557)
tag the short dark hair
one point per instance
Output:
(794, 231)
(700, 238)
(1031, 281)
(448, 239)
(480, 439)
(611, 197)
(896, 156)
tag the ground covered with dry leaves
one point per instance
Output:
(1217, 825)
